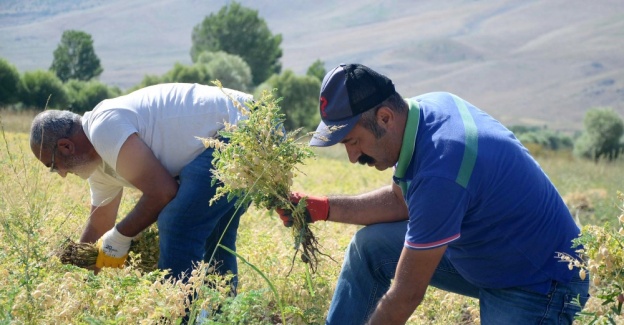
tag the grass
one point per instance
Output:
(39, 210)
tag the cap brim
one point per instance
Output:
(328, 133)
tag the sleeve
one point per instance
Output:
(109, 131)
(102, 193)
(437, 207)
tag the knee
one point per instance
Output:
(373, 240)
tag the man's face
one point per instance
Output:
(81, 165)
(363, 147)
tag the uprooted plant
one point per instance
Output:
(255, 162)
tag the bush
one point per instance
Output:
(9, 80)
(543, 137)
(601, 136)
(40, 89)
(85, 95)
(231, 70)
(187, 74)
(300, 99)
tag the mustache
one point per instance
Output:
(365, 159)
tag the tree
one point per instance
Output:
(239, 30)
(9, 80)
(603, 129)
(42, 89)
(317, 69)
(300, 99)
(230, 69)
(75, 58)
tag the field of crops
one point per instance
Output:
(39, 211)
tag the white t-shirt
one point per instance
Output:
(167, 117)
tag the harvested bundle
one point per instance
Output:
(255, 162)
(143, 253)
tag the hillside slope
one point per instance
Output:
(524, 61)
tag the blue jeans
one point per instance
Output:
(370, 264)
(190, 228)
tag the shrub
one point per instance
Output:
(9, 80)
(40, 89)
(85, 95)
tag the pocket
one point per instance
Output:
(572, 306)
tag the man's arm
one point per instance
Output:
(382, 205)
(137, 164)
(414, 271)
(102, 219)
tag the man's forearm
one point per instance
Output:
(144, 213)
(381, 205)
(391, 310)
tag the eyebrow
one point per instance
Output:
(345, 140)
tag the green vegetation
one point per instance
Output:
(317, 69)
(85, 95)
(9, 79)
(300, 98)
(75, 58)
(231, 70)
(239, 30)
(39, 89)
(601, 136)
(39, 211)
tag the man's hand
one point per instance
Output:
(317, 208)
(112, 249)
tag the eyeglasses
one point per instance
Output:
(52, 167)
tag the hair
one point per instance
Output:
(368, 120)
(51, 125)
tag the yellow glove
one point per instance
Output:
(112, 249)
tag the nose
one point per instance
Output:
(353, 154)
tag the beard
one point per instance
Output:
(81, 166)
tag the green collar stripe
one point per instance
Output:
(409, 139)
(470, 151)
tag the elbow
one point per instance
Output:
(169, 193)
(163, 195)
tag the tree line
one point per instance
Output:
(235, 46)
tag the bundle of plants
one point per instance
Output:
(143, 254)
(255, 162)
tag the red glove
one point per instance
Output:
(317, 208)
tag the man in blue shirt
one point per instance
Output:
(469, 211)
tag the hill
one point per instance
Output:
(524, 61)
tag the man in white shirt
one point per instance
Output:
(148, 140)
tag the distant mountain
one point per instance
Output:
(523, 61)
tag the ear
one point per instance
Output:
(65, 146)
(385, 116)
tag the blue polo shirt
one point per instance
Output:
(471, 185)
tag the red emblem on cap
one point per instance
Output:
(323, 105)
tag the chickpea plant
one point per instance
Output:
(603, 258)
(255, 162)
